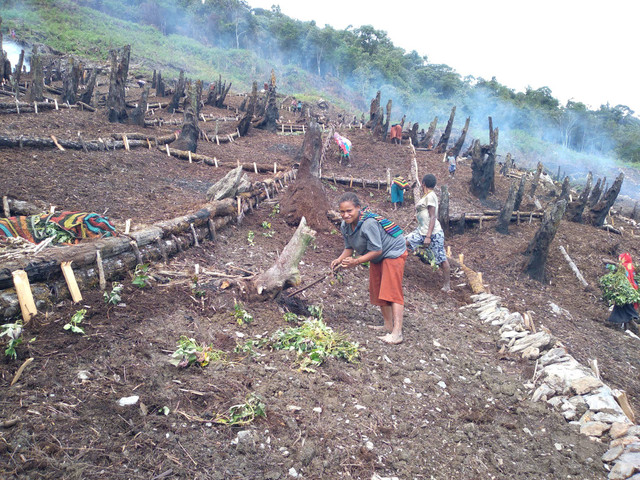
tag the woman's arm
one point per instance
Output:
(350, 262)
(346, 253)
(432, 223)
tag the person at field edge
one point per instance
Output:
(380, 242)
(429, 232)
(398, 186)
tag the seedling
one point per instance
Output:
(196, 290)
(141, 279)
(250, 237)
(266, 225)
(291, 317)
(249, 347)
(244, 413)
(190, 352)
(241, 315)
(75, 321)
(275, 210)
(114, 296)
(13, 331)
(315, 311)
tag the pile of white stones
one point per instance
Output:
(573, 389)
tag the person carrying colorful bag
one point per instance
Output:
(379, 241)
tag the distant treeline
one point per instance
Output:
(366, 60)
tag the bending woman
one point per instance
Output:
(380, 242)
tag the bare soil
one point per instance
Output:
(387, 414)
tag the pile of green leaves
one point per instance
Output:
(616, 289)
(244, 413)
(190, 352)
(314, 342)
(427, 257)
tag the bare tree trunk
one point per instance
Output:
(566, 189)
(538, 249)
(575, 209)
(483, 164)
(443, 209)
(116, 103)
(36, 89)
(253, 102)
(70, 81)
(536, 179)
(413, 134)
(271, 114)
(18, 72)
(385, 128)
(154, 79)
(376, 117)
(174, 104)
(188, 139)
(429, 135)
(595, 194)
(159, 85)
(218, 93)
(520, 193)
(284, 273)
(598, 213)
(138, 113)
(87, 95)
(441, 147)
(455, 150)
(504, 219)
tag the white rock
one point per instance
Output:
(441, 384)
(558, 446)
(83, 375)
(610, 417)
(407, 380)
(127, 401)
(569, 415)
(585, 384)
(631, 457)
(611, 454)
(594, 429)
(565, 373)
(360, 407)
(293, 408)
(539, 340)
(543, 391)
(317, 410)
(553, 356)
(531, 353)
(556, 402)
(293, 473)
(368, 445)
(602, 400)
(619, 430)
(621, 471)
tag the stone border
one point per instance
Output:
(573, 389)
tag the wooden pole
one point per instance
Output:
(103, 280)
(25, 297)
(70, 278)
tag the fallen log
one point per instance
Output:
(474, 279)
(358, 182)
(21, 141)
(197, 157)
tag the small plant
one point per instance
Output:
(291, 317)
(616, 288)
(141, 279)
(244, 413)
(241, 315)
(13, 331)
(190, 352)
(250, 236)
(333, 231)
(315, 311)
(333, 187)
(249, 347)
(313, 342)
(275, 210)
(75, 321)
(114, 296)
(266, 225)
(196, 289)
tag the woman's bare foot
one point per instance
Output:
(391, 339)
(446, 289)
(379, 328)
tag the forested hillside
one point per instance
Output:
(228, 36)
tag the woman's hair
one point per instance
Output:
(350, 197)
(429, 180)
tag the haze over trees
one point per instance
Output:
(364, 59)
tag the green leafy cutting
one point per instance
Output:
(190, 352)
(616, 288)
(244, 413)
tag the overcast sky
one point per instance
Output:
(582, 50)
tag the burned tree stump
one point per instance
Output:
(575, 209)
(376, 116)
(174, 104)
(36, 89)
(598, 213)
(284, 273)
(483, 165)
(188, 139)
(566, 189)
(429, 135)
(138, 113)
(217, 93)
(443, 209)
(87, 95)
(519, 193)
(413, 134)
(504, 218)
(70, 81)
(306, 197)
(536, 180)
(441, 147)
(595, 193)
(18, 71)
(457, 147)
(269, 120)
(538, 248)
(160, 87)
(116, 102)
(385, 127)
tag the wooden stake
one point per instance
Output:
(212, 229)
(215, 160)
(25, 297)
(52, 209)
(149, 144)
(255, 167)
(127, 226)
(55, 140)
(623, 401)
(5, 206)
(275, 167)
(136, 251)
(190, 161)
(70, 278)
(56, 103)
(101, 277)
(195, 236)
(126, 142)
(35, 107)
(217, 140)
(573, 266)
(461, 258)
(449, 251)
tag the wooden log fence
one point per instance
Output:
(214, 162)
(118, 255)
(21, 141)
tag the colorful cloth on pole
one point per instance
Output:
(64, 227)
(389, 226)
(344, 144)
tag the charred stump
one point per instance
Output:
(116, 102)
(504, 218)
(18, 72)
(385, 127)
(595, 194)
(441, 147)
(154, 82)
(4, 75)
(36, 89)
(443, 209)
(536, 180)
(70, 81)
(137, 115)
(188, 139)
(160, 86)
(306, 196)
(575, 208)
(253, 100)
(271, 114)
(457, 147)
(87, 95)
(635, 213)
(376, 116)
(429, 135)
(538, 249)
(566, 189)
(413, 134)
(598, 213)
(519, 193)
(483, 165)
(174, 104)
(217, 93)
